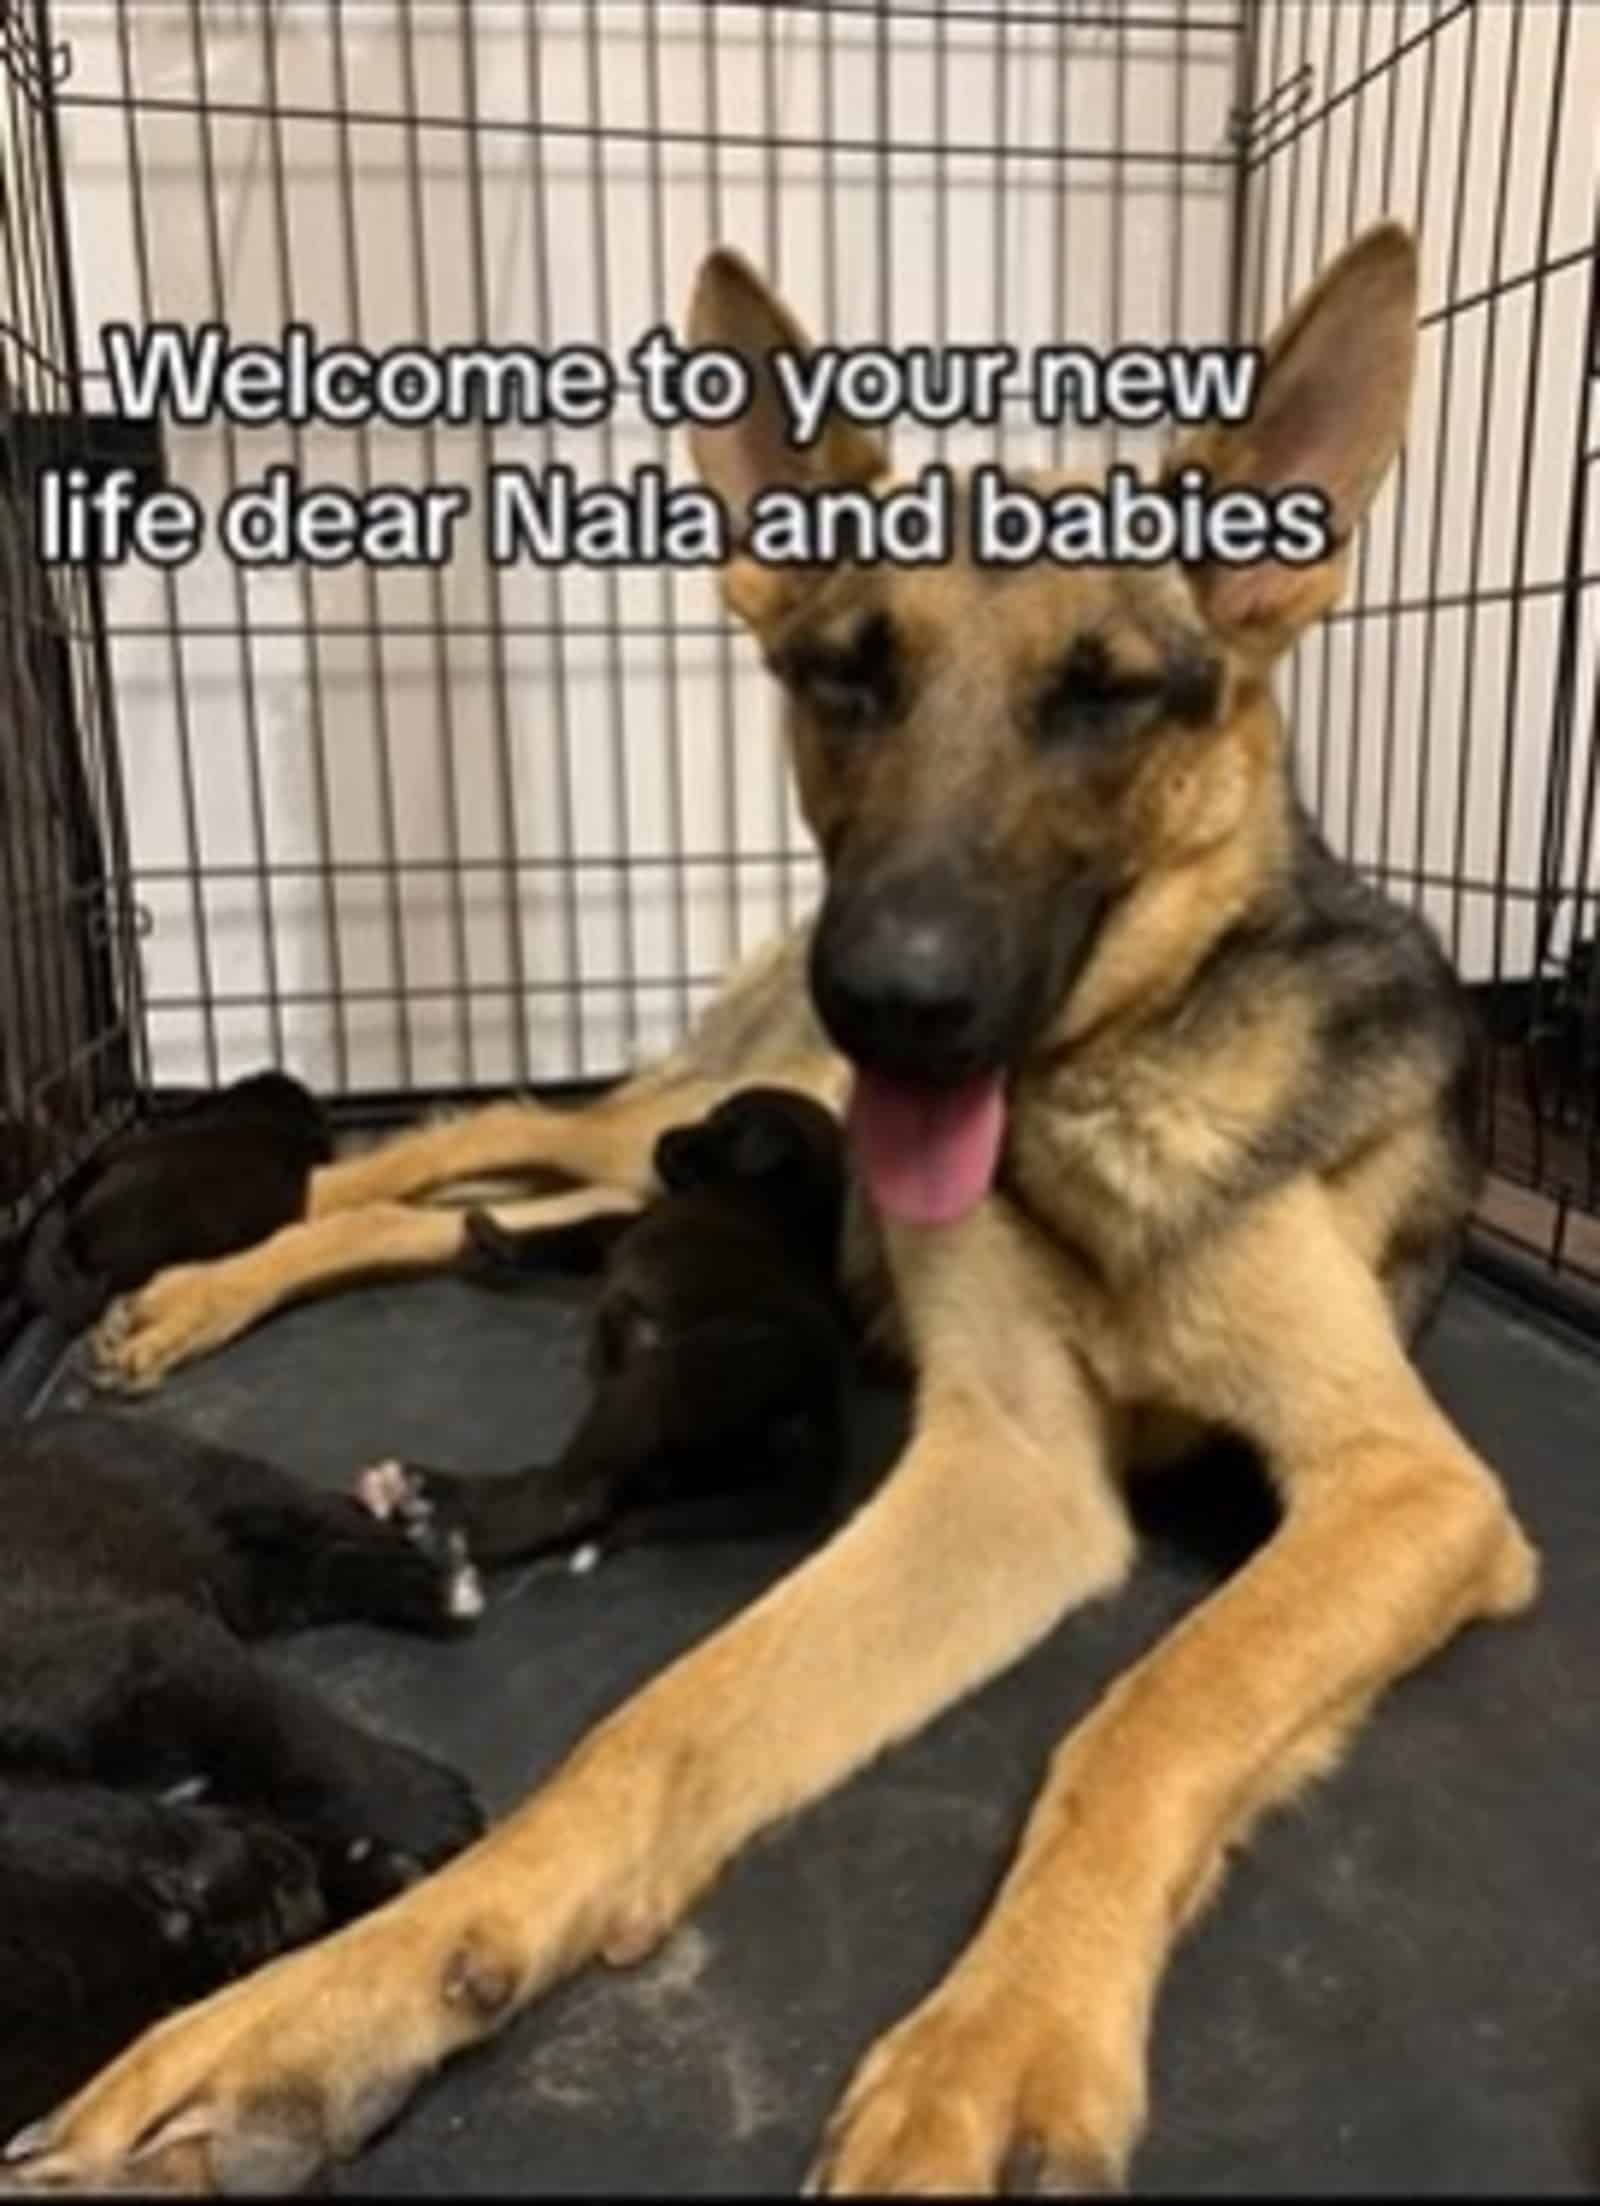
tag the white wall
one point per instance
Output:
(606, 736)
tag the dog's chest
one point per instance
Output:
(1107, 1155)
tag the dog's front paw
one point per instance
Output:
(257, 2089)
(977, 2098)
(184, 1312)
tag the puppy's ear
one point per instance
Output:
(1330, 412)
(679, 1159)
(733, 308)
(756, 1148)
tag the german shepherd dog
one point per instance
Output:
(1160, 1123)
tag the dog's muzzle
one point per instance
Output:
(898, 978)
(923, 982)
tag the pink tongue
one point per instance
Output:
(928, 1154)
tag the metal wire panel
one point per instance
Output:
(1447, 714)
(67, 996)
(442, 830)
(446, 829)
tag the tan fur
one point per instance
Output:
(193, 1309)
(1105, 1301)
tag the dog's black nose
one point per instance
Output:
(899, 985)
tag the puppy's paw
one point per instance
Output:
(389, 1491)
(232, 1894)
(405, 1494)
(410, 1500)
(427, 1811)
(393, 1817)
(490, 1255)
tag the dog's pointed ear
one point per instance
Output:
(733, 308)
(1331, 401)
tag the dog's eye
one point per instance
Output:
(848, 686)
(1090, 700)
(843, 703)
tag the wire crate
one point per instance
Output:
(432, 833)
(69, 1018)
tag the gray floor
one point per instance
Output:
(1400, 1988)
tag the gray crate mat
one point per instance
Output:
(1399, 1988)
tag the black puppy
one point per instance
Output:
(719, 1352)
(226, 1172)
(172, 1811)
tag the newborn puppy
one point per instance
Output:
(229, 1171)
(719, 1352)
(173, 1811)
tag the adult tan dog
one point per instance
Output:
(1162, 1122)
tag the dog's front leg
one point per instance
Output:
(189, 1310)
(1001, 1514)
(361, 1223)
(1027, 2065)
(609, 1141)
